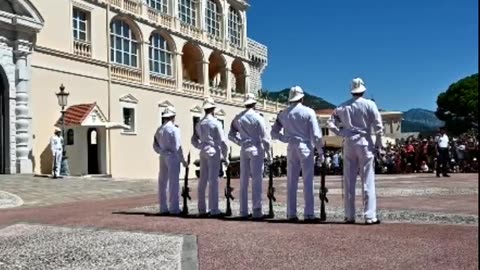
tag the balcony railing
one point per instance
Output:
(82, 48)
(218, 92)
(193, 87)
(160, 81)
(160, 18)
(126, 74)
(191, 30)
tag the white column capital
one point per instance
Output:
(22, 48)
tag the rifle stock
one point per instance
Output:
(228, 188)
(186, 189)
(323, 192)
(271, 189)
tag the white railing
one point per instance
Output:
(160, 81)
(160, 18)
(191, 30)
(82, 48)
(218, 92)
(126, 74)
(193, 87)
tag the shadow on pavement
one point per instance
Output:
(242, 219)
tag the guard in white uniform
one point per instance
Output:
(249, 132)
(56, 145)
(354, 120)
(210, 139)
(167, 143)
(302, 133)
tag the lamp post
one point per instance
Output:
(62, 97)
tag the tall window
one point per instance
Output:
(160, 5)
(187, 11)
(123, 47)
(160, 55)
(129, 119)
(80, 23)
(213, 18)
(234, 27)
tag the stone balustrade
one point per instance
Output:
(193, 87)
(82, 48)
(126, 74)
(217, 92)
(159, 81)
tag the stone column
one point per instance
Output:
(145, 62)
(226, 37)
(246, 80)
(179, 70)
(23, 119)
(228, 85)
(206, 81)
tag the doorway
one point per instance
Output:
(93, 151)
(4, 122)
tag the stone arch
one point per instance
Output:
(192, 62)
(131, 23)
(217, 67)
(170, 41)
(239, 73)
(4, 122)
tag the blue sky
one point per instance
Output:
(406, 51)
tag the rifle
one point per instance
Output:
(323, 192)
(271, 189)
(55, 165)
(186, 189)
(228, 188)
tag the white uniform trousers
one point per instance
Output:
(169, 176)
(251, 165)
(359, 158)
(300, 156)
(57, 162)
(209, 170)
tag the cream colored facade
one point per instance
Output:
(392, 124)
(129, 59)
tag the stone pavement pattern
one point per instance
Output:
(398, 243)
(26, 246)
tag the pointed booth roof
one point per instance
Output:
(87, 115)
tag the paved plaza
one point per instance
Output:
(89, 223)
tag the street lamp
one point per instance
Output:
(62, 97)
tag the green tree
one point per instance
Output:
(458, 106)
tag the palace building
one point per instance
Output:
(122, 62)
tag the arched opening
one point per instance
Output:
(192, 63)
(238, 78)
(124, 43)
(161, 54)
(4, 121)
(217, 70)
(93, 151)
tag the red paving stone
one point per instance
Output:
(267, 245)
(263, 245)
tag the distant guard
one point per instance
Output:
(56, 145)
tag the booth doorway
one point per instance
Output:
(93, 151)
(4, 122)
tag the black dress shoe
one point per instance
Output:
(349, 221)
(311, 220)
(293, 219)
(204, 215)
(446, 175)
(219, 215)
(163, 214)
